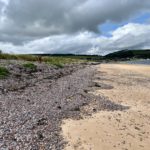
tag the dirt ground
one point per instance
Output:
(115, 130)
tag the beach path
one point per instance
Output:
(115, 130)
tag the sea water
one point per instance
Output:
(140, 61)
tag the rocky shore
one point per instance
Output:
(34, 103)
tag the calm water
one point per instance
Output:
(143, 61)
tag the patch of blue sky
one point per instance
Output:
(143, 18)
(108, 27)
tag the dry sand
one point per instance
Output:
(117, 130)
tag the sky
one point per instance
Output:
(74, 26)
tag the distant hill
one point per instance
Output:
(125, 54)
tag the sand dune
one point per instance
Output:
(117, 130)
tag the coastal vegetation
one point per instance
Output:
(60, 60)
(51, 60)
(30, 66)
(3, 72)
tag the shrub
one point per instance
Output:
(59, 65)
(3, 72)
(30, 66)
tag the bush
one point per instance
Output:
(30, 66)
(59, 65)
(3, 72)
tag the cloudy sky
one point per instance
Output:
(74, 26)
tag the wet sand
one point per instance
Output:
(115, 130)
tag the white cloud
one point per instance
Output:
(130, 36)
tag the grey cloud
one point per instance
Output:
(70, 26)
(125, 37)
(1, 7)
(41, 18)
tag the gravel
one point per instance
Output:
(33, 104)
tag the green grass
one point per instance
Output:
(60, 61)
(59, 65)
(30, 66)
(52, 60)
(18, 57)
(3, 72)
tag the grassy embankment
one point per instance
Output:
(31, 59)
(52, 60)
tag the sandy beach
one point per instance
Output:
(115, 130)
(34, 103)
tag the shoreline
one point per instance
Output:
(116, 130)
(77, 95)
(31, 117)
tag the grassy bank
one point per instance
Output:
(52, 60)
